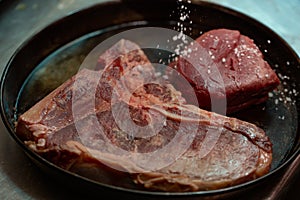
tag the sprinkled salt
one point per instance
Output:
(281, 117)
(157, 74)
(270, 94)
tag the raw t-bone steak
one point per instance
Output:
(124, 121)
(246, 76)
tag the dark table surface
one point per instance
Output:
(20, 178)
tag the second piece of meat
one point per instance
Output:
(245, 76)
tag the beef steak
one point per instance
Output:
(123, 121)
(246, 76)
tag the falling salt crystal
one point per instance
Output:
(182, 18)
(223, 60)
(281, 117)
(266, 50)
(165, 77)
(287, 63)
(270, 94)
(276, 101)
(157, 74)
(269, 41)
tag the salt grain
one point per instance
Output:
(270, 94)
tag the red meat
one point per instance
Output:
(246, 78)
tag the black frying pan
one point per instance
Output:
(55, 53)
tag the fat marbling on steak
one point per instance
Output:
(246, 76)
(85, 133)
